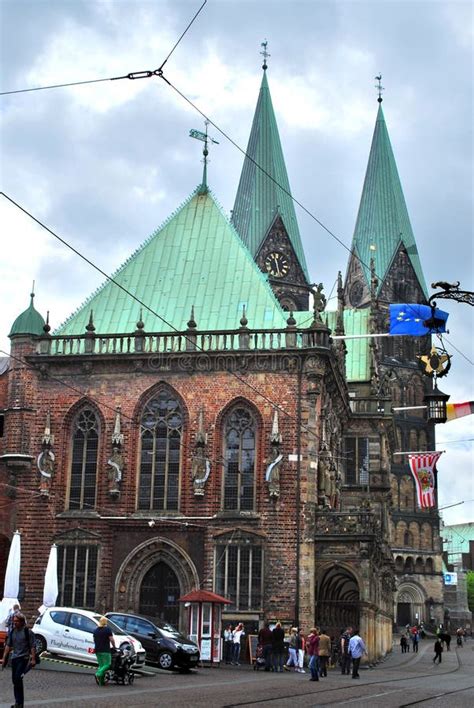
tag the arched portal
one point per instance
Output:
(159, 593)
(338, 601)
(410, 604)
(152, 578)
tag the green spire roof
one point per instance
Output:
(29, 322)
(383, 219)
(260, 199)
(196, 259)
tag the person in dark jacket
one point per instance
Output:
(345, 653)
(103, 643)
(265, 640)
(21, 642)
(278, 648)
(438, 648)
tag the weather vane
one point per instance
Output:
(379, 87)
(264, 54)
(198, 135)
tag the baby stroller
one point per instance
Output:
(120, 669)
(259, 659)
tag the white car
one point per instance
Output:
(67, 631)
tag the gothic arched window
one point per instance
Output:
(240, 432)
(85, 447)
(161, 428)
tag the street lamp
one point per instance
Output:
(436, 405)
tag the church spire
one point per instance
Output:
(264, 192)
(382, 223)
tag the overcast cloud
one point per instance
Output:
(105, 164)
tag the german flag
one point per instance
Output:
(458, 410)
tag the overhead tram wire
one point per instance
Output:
(133, 75)
(159, 73)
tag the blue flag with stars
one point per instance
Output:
(411, 318)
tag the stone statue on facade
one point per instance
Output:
(272, 473)
(116, 461)
(324, 477)
(46, 458)
(200, 466)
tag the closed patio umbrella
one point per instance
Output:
(12, 578)
(50, 591)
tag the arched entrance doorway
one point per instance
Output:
(152, 578)
(338, 598)
(159, 593)
(410, 605)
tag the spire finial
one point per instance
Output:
(264, 54)
(90, 327)
(379, 87)
(32, 294)
(192, 322)
(199, 135)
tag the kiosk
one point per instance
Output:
(204, 622)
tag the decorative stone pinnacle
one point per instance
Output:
(192, 322)
(291, 322)
(243, 320)
(140, 323)
(90, 327)
(46, 327)
(275, 437)
(47, 439)
(201, 437)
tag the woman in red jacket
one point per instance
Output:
(312, 647)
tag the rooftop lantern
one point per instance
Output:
(436, 405)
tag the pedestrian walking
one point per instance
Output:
(415, 638)
(324, 652)
(12, 612)
(403, 643)
(357, 650)
(265, 640)
(228, 644)
(301, 651)
(278, 648)
(20, 642)
(237, 635)
(438, 649)
(345, 653)
(292, 650)
(103, 644)
(312, 647)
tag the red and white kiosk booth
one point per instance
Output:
(204, 622)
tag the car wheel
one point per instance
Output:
(131, 678)
(40, 644)
(165, 660)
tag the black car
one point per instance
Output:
(163, 644)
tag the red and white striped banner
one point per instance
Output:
(423, 469)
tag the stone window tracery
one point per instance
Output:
(240, 440)
(77, 575)
(239, 576)
(85, 447)
(161, 429)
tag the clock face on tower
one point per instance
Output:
(277, 264)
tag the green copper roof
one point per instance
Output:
(29, 322)
(260, 199)
(358, 353)
(196, 259)
(383, 219)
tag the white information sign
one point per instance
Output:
(450, 578)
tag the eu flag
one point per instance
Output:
(411, 318)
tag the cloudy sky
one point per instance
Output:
(104, 164)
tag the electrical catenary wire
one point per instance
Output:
(146, 74)
(275, 405)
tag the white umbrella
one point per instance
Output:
(12, 578)
(50, 592)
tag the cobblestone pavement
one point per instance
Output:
(402, 680)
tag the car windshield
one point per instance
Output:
(168, 630)
(114, 627)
